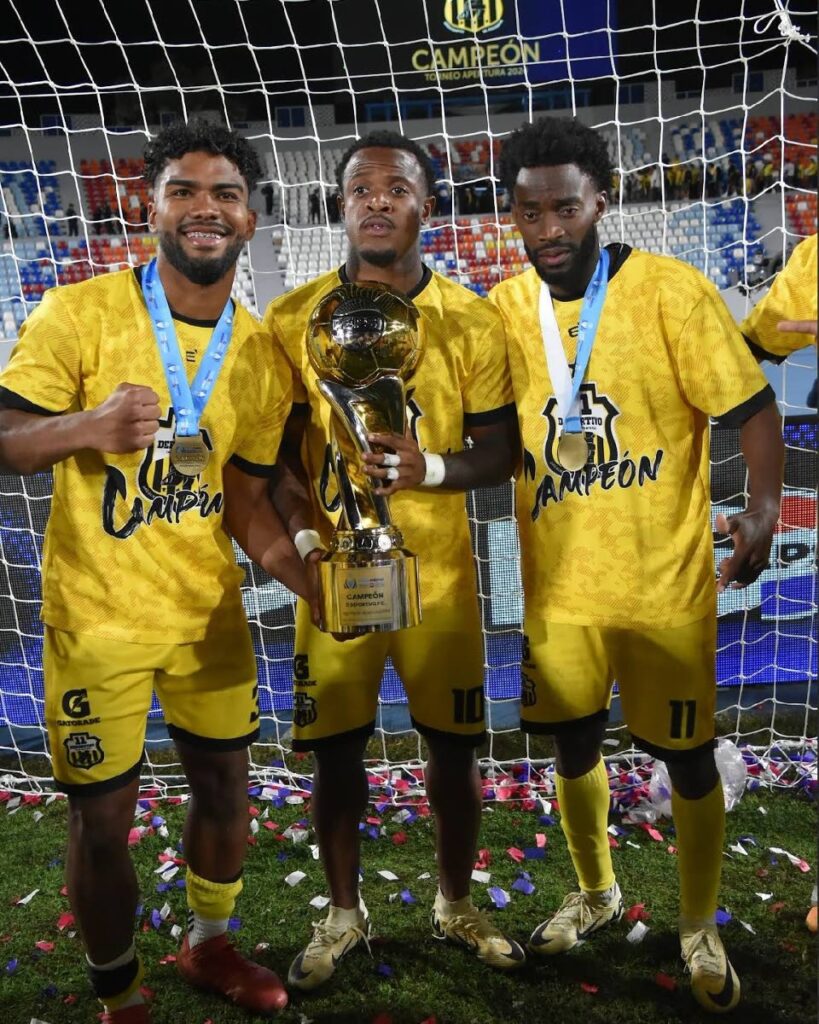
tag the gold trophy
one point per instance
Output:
(363, 343)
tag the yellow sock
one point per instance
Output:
(117, 984)
(700, 826)
(211, 904)
(584, 810)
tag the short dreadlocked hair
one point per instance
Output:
(551, 141)
(383, 138)
(200, 135)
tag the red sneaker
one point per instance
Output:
(139, 1014)
(217, 966)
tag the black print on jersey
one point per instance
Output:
(607, 466)
(163, 493)
(76, 704)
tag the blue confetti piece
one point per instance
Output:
(384, 970)
(55, 863)
(748, 839)
(723, 917)
(489, 794)
(498, 897)
(281, 857)
(49, 992)
(407, 897)
(181, 883)
(255, 791)
(234, 924)
(547, 819)
(534, 852)
(139, 910)
(156, 920)
(373, 832)
(157, 822)
(163, 887)
(11, 966)
(144, 804)
(523, 885)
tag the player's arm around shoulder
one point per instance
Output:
(490, 425)
(39, 393)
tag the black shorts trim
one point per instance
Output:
(664, 754)
(104, 785)
(204, 743)
(11, 400)
(761, 354)
(252, 468)
(554, 728)
(457, 739)
(742, 413)
(485, 419)
(324, 742)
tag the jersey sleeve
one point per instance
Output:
(717, 372)
(44, 372)
(289, 342)
(792, 296)
(256, 450)
(487, 389)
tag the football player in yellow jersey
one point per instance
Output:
(614, 517)
(460, 391)
(140, 586)
(784, 319)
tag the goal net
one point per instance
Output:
(708, 109)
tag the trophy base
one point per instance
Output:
(369, 593)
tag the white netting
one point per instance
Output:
(709, 112)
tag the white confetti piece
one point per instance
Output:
(36, 1020)
(424, 876)
(13, 804)
(37, 816)
(629, 843)
(612, 830)
(390, 876)
(319, 902)
(163, 831)
(27, 899)
(164, 912)
(172, 871)
(764, 896)
(611, 743)
(546, 805)
(402, 815)
(739, 848)
(481, 876)
(254, 827)
(796, 861)
(637, 933)
(315, 852)
(747, 927)
(763, 810)
(295, 877)
(296, 833)
(294, 800)
(176, 931)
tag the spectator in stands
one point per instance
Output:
(153, 599)
(143, 216)
(443, 199)
(711, 184)
(315, 206)
(97, 215)
(654, 184)
(789, 172)
(733, 179)
(695, 182)
(9, 227)
(604, 594)
(333, 211)
(73, 221)
(460, 391)
(268, 193)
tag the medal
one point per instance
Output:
(572, 451)
(189, 455)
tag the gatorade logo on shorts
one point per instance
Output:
(76, 704)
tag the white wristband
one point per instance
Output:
(436, 470)
(307, 541)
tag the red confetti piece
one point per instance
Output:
(169, 958)
(762, 873)
(484, 860)
(270, 825)
(665, 981)
(253, 811)
(776, 907)
(399, 838)
(591, 989)
(540, 840)
(65, 921)
(373, 821)
(672, 849)
(46, 947)
(517, 855)
(638, 913)
(69, 1000)
(32, 798)
(655, 835)
(64, 890)
(613, 843)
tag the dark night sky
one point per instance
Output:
(161, 47)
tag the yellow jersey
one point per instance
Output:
(133, 551)
(462, 379)
(792, 296)
(626, 541)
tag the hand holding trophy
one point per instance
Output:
(363, 343)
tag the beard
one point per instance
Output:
(581, 255)
(205, 270)
(378, 257)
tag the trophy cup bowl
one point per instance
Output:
(364, 345)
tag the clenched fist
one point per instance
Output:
(126, 421)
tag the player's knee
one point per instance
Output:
(695, 775)
(340, 759)
(577, 748)
(219, 784)
(98, 828)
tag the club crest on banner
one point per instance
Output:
(473, 15)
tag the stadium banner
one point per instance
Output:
(499, 42)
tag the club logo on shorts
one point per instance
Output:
(472, 15)
(528, 694)
(304, 709)
(83, 750)
(76, 704)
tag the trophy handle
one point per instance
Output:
(359, 411)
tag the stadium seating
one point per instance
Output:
(30, 198)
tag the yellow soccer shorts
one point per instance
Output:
(98, 695)
(440, 662)
(666, 680)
